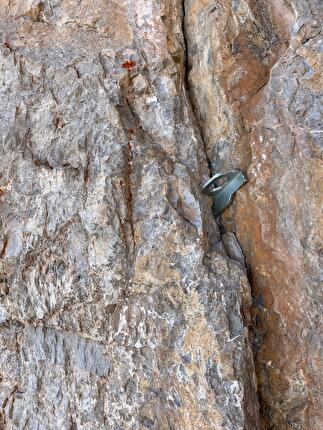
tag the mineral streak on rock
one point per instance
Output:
(255, 76)
(120, 308)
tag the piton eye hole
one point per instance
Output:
(222, 188)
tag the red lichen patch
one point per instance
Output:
(129, 64)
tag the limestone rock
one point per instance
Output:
(119, 307)
(256, 82)
(123, 303)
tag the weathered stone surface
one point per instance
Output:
(120, 308)
(256, 82)
(122, 304)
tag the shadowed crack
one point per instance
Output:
(249, 397)
(187, 88)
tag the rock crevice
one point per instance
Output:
(254, 85)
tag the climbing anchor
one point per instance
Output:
(222, 187)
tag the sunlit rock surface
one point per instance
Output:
(123, 305)
(120, 308)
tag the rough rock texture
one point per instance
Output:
(255, 73)
(120, 308)
(123, 305)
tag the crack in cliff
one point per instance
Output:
(124, 110)
(129, 158)
(187, 89)
(271, 411)
(250, 364)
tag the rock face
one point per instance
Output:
(256, 80)
(119, 306)
(123, 305)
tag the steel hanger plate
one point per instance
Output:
(222, 187)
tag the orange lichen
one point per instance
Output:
(129, 64)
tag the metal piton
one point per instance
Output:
(222, 187)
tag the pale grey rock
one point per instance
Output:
(115, 313)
